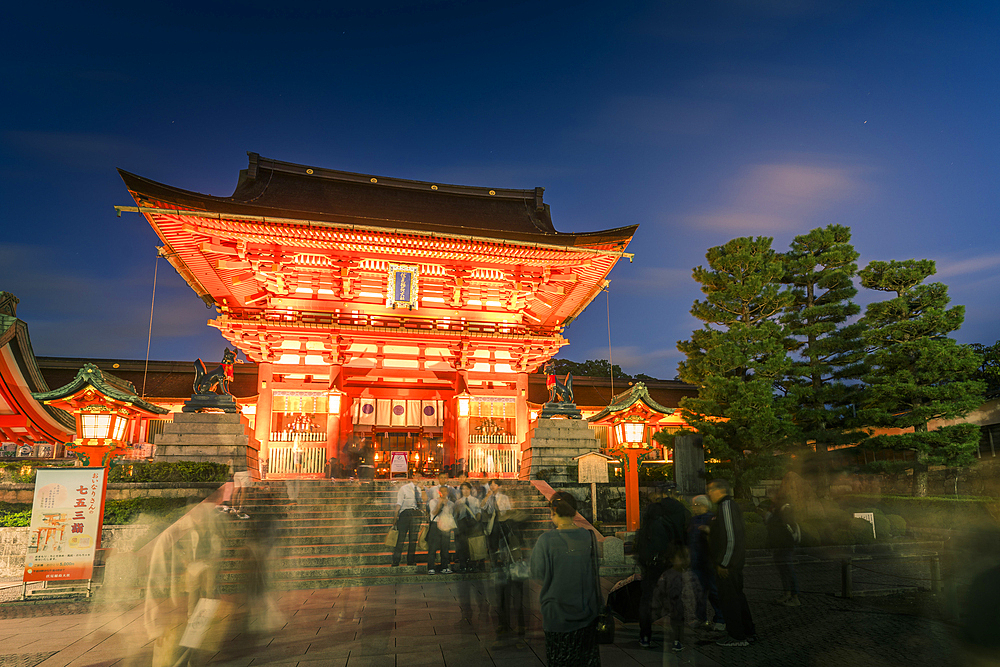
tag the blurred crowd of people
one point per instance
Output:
(701, 545)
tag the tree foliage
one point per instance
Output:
(597, 368)
(738, 355)
(989, 365)
(917, 373)
(822, 383)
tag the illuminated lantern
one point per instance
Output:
(105, 408)
(629, 418)
(464, 401)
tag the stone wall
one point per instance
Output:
(14, 545)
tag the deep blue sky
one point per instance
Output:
(700, 120)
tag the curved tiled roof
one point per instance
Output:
(273, 189)
(107, 384)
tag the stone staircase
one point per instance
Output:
(326, 534)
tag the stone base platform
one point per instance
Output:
(218, 437)
(551, 445)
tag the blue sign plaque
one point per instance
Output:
(402, 283)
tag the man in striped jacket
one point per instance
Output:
(728, 542)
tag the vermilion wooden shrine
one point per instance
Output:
(403, 315)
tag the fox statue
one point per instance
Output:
(563, 391)
(220, 377)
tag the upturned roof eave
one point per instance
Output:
(91, 375)
(625, 400)
(152, 191)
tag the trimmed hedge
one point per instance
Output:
(116, 512)
(162, 471)
(11, 471)
(897, 524)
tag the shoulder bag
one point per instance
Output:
(605, 621)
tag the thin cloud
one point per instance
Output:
(948, 268)
(652, 278)
(781, 197)
(72, 149)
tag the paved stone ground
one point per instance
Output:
(454, 625)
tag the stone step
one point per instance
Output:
(403, 574)
(208, 418)
(224, 429)
(333, 533)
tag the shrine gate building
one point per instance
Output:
(384, 313)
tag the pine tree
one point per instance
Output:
(917, 373)
(823, 382)
(989, 365)
(737, 356)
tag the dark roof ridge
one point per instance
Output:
(257, 162)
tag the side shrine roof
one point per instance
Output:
(23, 376)
(107, 384)
(594, 391)
(635, 394)
(164, 380)
(273, 189)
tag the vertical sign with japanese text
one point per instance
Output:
(65, 521)
(402, 284)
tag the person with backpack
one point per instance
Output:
(782, 537)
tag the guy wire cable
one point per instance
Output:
(149, 337)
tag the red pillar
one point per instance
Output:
(632, 489)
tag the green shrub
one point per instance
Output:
(842, 536)
(118, 512)
(746, 505)
(897, 524)
(162, 471)
(23, 472)
(860, 531)
(810, 534)
(756, 536)
(15, 519)
(752, 517)
(883, 529)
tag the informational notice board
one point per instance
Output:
(397, 463)
(65, 519)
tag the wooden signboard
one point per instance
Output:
(65, 524)
(398, 464)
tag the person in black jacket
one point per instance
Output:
(782, 536)
(661, 535)
(728, 542)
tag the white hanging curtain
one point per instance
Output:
(398, 410)
(365, 411)
(383, 411)
(413, 409)
(430, 413)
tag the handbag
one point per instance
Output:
(422, 538)
(519, 569)
(392, 537)
(477, 547)
(605, 620)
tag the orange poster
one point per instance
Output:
(65, 518)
